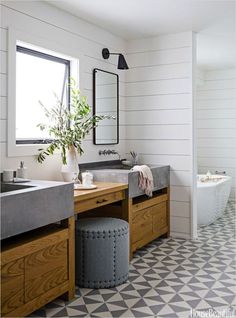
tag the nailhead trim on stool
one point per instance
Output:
(102, 252)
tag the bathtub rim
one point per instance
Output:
(201, 184)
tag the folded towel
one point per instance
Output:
(145, 179)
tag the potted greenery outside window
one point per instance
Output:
(68, 127)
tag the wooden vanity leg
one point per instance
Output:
(71, 256)
(126, 215)
(130, 206)
(70, 224)
(168, 211)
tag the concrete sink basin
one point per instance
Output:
(25, 207)
(115, 171)
(8, 187)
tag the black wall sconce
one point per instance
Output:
(122, 65)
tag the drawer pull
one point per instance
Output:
(101, 201)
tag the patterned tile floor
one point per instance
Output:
(168, 278)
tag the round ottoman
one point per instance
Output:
(102, 252)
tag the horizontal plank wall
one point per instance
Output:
(155, 95)
(76, 38)
(216, 123)
(158, 114)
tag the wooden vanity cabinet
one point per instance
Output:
(12, 285)
(148, 218)
(36, 268)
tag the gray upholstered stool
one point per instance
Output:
(102, 252)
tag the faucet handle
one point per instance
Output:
(108, 152)
(220, 172)
(103, 152)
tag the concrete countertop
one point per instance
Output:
(161, 177)
(30, 186)
(43, 203)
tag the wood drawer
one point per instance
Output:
(149, 202)
(45, 270)
(12, 285)
(141, 224)
(99, 201)
(160, 219)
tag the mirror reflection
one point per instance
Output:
(106, 102)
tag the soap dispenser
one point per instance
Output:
(22, 171)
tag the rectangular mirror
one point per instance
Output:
(106, 102)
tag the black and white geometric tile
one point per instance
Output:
(168, 278)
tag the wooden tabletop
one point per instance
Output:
(102, 188)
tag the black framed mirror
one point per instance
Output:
(106, 102)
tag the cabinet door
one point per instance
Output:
(141, 224)
(45, 270)
(12, 286)
(160, 218)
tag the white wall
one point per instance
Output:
(216, 123)
(76, 38)
(158, 114)
(155, 96)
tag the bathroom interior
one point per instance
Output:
(118, 158)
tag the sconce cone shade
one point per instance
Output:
(122, 65)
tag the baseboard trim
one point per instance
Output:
(185, 236)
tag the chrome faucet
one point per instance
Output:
(108, 152)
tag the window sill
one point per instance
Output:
(24, 150)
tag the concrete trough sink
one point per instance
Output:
(115, 171)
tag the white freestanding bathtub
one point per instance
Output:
(212, 197)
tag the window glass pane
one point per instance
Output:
(37, 79)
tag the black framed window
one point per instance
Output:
(39, 77)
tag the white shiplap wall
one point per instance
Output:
(158, 114)
(76, 38)
(216, 123)
(155, 95)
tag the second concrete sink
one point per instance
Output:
(117, 172)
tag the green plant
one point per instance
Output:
(68, 127)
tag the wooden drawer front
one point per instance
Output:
(160, 219)
(12, 286)
(45, 270)
(150, 202)
(99, 201)
(141, 224)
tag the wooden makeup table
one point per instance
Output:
(148, 218)
(106, 193)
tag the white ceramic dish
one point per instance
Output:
(83, 187)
